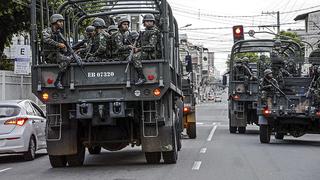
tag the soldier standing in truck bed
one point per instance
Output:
(90, 34)
(54, 49)
(268, 86)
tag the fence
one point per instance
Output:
(15, 86)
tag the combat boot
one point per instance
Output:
(141, 78)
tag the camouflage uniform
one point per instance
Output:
(111, 45)
(149, 44)
(99, 42)
(52, 53)
(122, 49)
(267, 90)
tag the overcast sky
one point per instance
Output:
(227, 13)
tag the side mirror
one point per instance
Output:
(224, 80)
(188, 61)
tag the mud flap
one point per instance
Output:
(161, 143)
(67, 145)
(263, 120)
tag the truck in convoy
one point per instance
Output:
(100, 105)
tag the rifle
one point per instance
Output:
(310, 86)
(74, 55)
(129, 58)
(278, 89)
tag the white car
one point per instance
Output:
(22, 128)
(217, 99)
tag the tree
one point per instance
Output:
(14, 18)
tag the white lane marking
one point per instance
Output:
(199, 123)
(212, 132)
(196, 165)
(203, 150)
(6, 169)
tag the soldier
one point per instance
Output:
(54, 49)
(291, 67)
(276, 50)
(242, 71)
(111, 45)
(149, 40)
(90, 34)
(123, 48)
(98, 48)
(268, 85)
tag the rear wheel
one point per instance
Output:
(57, 161)
(153, 157)
(279, 136)
(265, 133)
(31, 153)
(171, 157)
(242, 130)
(192, 130)
(94, 150)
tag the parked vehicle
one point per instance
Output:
(217, 99)
(22, 128)
(211, 97)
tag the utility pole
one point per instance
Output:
(278, 20)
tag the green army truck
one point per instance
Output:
(100, 106)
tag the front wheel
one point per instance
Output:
(265, 133)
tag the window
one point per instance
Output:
(9, 111)
(37, 110)
(29, 109)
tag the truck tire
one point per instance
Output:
(94, 150)
(153, 157)
(31, 153)
(77, 159)
(232, 129)
(171, 157)
(57, 161)
(242, 130)
(265, 134)
(279, 136)
(192, 130)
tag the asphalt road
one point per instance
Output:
(215, 154)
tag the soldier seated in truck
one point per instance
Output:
(54, 49)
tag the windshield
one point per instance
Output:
(9, 111)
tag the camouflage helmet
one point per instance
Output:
(90, 29)
(277, 43)
(122, 20)
(267, 71)
(99, 23)
(148, 17)
(245, 59)
(56, 17)
(112, 28)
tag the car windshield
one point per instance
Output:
(9, 111)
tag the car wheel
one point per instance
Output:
(31, 153)
(78, 158)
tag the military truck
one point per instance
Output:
(189, 109)
(102, 108)
(292, 110)
(243, 86)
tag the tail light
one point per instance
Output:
(266, 111)
(236, 97)
(17, 121)
(45, 96)
(318, 113)
(186, 109)
(157, 92)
